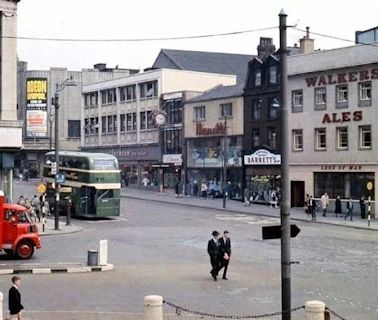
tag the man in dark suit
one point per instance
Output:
(14, 299)
(225, 243)
(213, 249)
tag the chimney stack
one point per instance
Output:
(306, 44)
(265, 48)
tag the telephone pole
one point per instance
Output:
(285, 183)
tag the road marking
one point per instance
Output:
(247, 219)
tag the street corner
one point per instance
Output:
(40, 269)
(49, 228)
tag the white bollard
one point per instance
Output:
(103, 253)
(1, 305)
(314, 310)
(153, 307)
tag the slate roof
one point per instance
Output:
(212, 62)
(219, 92)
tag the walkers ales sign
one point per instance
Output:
(262, 157)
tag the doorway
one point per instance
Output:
(297, 193)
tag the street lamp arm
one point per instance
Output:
(66, 83)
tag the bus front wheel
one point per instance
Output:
(25, 249)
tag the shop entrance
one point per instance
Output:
(297, 193)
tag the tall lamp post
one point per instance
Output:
(58, 88)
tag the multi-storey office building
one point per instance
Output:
(118, 117)
(334, 107)
(35, 90)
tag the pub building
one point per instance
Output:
(333, 96)
(208, 119)
(261, 141)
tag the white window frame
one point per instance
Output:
(199, 113)
(321, 96)
(258, 78)
(342, 93)
(340, 131)
(224, 107)
(364, 91)
(297, 98)
(364, 130)
(297, 136)
(319, 134)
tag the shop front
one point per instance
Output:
(343, 180)
(172, 170)
(205, 164)
(262, 175)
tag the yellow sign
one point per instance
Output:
(369, 186)
(41, 188)
(65, 189)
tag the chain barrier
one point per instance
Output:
(180, 310)
(335, 314)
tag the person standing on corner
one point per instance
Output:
(213, 249)
(324, 199)
(363, 207)
(225, 243)
(350, 209)
(14, 300)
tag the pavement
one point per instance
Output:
(296, 214)
(49, 228)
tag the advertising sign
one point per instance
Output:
(36, 108)
(262, 157)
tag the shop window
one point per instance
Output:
(364, 94)
(73, 128)
(320, 98)
(297, 136)
(342, 96)
(199, 113)
(364, 137)
(256, 109)
(342, 138)
(320, 139)
(297, 101)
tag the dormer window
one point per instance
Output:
(273, 75)
(258, 78)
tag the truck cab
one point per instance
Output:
(18, 234)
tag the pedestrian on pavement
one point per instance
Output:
(350, 209)
(307, 203)
(362, 207)
(36, 205)
(214, 249)
(246, 196)
(204, 189)
(324, 199)
(195, 188)
(313, 208)
(177, 189)
(225, 243)
(338, 206)
(21, 201)
(14, 300)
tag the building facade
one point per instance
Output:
(262, 126)
(35, 91)
(118, 118)
(10, 126)
(210, 119)
(334, 107)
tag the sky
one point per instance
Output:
(123, 19)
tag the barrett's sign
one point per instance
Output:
(262, 157)
(36, 89)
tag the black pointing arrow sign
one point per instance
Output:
(274, 232)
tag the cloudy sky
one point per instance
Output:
(120, 19)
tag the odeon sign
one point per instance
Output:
(262, 157)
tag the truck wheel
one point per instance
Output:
(25, 249)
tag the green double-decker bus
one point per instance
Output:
(92, 180)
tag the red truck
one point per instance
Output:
(18, 234)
